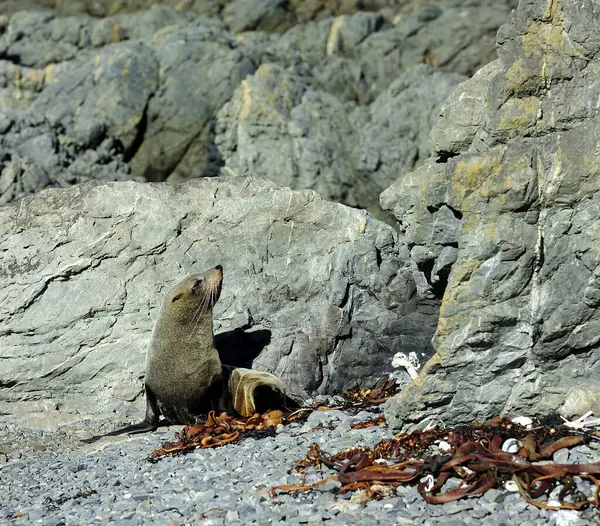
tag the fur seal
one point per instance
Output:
(184, 376)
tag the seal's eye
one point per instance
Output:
(198, 284)
(176, 298)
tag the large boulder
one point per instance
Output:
(320, 294)
(392, 133)
(276, 126)
(357, 56)
(503, 220)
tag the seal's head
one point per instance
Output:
(196, 295)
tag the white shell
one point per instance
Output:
(511, 485)
(512, 445)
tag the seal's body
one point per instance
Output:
(183, 369)
(184, 377)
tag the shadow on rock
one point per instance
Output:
(238, 348)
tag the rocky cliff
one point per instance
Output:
(317, 95)
(509, 203)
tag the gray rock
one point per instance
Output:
(199, 68)
(300, 10)
(393, 134)
(455, 38)
(494, 495)
(561, 456)
(311, 283)
(325, 418)
(512, 187)
(361, 417)
(106, 96)
(60, 161)
(102, 8)
(277, 126)
(359, 55)
(149, 84)
(330, 485)
(463, 114)
(261, 15)
(581, 401)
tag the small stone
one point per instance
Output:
(361, 416)
(231, 516)
(479, 513)
(494, 495)
(207, 496)
(489, 507)
(330, 485)
(410, 496)
(455, 507)
(516, 507)
(561, 456)
(324, 418)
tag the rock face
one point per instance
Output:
(317, 293)
(317, 95)
(509, 202)
(148, 100)
(277, 124)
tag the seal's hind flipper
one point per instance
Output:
(133, 429)
(150, 422)
(254, 391)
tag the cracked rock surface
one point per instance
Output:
(315, 292)
(506, 210)
(337, 97)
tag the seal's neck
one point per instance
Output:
(199, 331)
(198, 328)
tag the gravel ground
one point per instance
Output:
(53, 479)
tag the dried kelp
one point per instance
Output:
(217, 430)
(362, 398)
(379, 421)
(473, 454)
(226, 429)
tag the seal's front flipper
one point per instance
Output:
(255, 391)
(150, 422)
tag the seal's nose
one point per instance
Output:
(219, 268)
